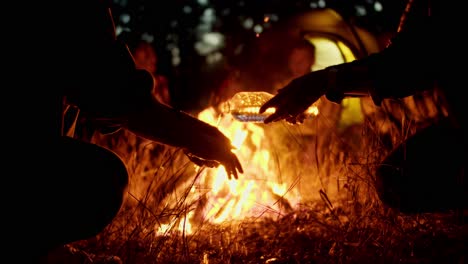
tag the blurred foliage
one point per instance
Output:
(173, 27)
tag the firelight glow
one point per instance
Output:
(263, 190)
(256, 191)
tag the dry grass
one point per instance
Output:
(341, 221)
(309, 235)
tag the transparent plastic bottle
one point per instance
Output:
(245, 106)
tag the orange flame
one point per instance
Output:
(257, 192)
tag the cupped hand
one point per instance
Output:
(293, 100)
(212, 149)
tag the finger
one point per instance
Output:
(233, 173)
(233, 167)
(273, 118)
(229, 171)
(265, 106)
(237, 166)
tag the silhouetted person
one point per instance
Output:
(426, 173)
(70, 189)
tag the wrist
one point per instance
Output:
(347, 80)
(333, 93)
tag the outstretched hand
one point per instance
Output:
(293, 100)
(204, 144)
(212, 149)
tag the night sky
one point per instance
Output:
(186, 34)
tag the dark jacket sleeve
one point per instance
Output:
(411, 63)
(407, 66)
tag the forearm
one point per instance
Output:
(161, 123)
(348, 80)
(405, 67)
(396, 72)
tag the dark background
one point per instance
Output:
(175, 27)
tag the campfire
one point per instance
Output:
(261, 191)
(306, 195)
